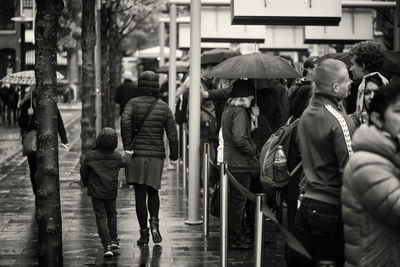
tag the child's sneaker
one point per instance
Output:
(115, 244)
(107, 252)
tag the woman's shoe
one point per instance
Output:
(155, 232)
(144, 238)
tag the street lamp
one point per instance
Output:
(22, 20)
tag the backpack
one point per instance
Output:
(282, 138)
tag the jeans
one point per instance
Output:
(106, 219)
(319, 228)
(237, 203)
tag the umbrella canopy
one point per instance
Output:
(391, 64)
(24, 77)
(254, 66)
(217, 55)
(181, 67)
(345, 57)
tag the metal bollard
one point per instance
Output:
(184, 156)
(206, 177)
(224, 214)
(259, 231)
(178, 174)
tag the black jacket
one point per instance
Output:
(125, 92)
(149, 140)
(27, 122)
(99, 170)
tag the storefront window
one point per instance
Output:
(7, 11)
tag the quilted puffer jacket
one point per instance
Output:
(149, 140)
(371, 200)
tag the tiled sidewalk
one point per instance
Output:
(182, 245)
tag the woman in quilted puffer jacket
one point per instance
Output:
(371, 186)
(146, 144)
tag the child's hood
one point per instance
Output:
(107, 139)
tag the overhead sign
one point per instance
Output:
(184, 39)
(287, 38)
(356, 25)
(286, 12)
(217, 27)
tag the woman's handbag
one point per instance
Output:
(29, 143)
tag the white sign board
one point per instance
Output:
(216, 26)
(286, 38)
(184, 39)
(356, 25)
(286, 12)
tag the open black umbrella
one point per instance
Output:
(345, 57)
(217, 55)
(254, 66)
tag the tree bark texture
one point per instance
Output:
(48, 212)
(106, 98)
(88, 121)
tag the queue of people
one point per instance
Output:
(342, 203)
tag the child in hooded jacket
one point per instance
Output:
(99, 173)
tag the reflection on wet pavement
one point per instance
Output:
(182, 245)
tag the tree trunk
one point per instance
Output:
(88, 42)
(106, 98)
(115, 63)
(48, 212)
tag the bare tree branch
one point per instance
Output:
(133, 28)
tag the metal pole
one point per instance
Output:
(178, 174)
(172, 66)
(224, 214)
(206, 177)
(162, 43)
(194, 114)
(172, 58)
(258, 231)
(184, 155)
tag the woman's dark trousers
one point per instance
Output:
(237, 203)
(32, 162)
(106, 219)
(143, 192)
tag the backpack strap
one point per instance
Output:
(295, 169)
(343, 125)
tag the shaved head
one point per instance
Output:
(328, 72)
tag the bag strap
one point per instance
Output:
(343, 125)
(139, 125)
(295, 169)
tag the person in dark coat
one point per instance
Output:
(27, 123)
(324, 133)
(99, 172)
(148, 151)
(239, 151)
(126, 91)
(299, 101)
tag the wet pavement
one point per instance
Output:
(182, 245)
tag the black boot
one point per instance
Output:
(144, 238)
(155, 232)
